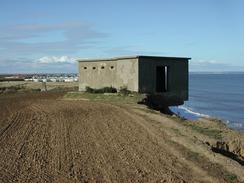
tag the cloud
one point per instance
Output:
(130, 50)
(46, 39)
(213, 66)
(48, 64)
(27, 47)
(203, 62)
(57, 59)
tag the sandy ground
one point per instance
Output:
(47, 139)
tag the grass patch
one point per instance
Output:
(11, 89)
(177, 131)
(214, 133)
(210, 131)
(124, 91)
(194, 156)
(230, 177)
(113, 98)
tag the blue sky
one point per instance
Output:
(48, 35)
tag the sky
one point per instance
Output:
(48, 36)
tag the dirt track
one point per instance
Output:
(49, 140)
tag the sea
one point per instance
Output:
(215, 95)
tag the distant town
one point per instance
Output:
(57, 77)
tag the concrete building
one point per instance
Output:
(162, 76)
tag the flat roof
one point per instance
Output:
(129, 57)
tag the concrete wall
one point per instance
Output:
(127, 74)
(123, 74)
(177, 77)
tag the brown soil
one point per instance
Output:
(46, 139)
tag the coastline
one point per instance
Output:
(216, 95)
(189, 114)
(216, 134)
(225, 140)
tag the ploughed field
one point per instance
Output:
(47, 139)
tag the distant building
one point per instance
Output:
(163, 76)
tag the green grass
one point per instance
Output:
(113, 98)
(214, 133)
(194, 156)
(177, 131)
(231, 177)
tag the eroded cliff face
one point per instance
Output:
(230, 147)
(223, 140)
(237, 146)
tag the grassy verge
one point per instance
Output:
(208, 131)
(112, 98)
(213, 130)
(213, 169)
(118, 98)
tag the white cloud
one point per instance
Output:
(48, 39)
(57, 59)
(202, 62)
(213, 66)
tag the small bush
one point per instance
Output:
(109, 90)
(36, 90)
(89, 90)
(124, 91)
(101, 90)
(11, 89)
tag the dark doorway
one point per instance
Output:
(162, 78)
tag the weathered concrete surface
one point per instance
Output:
(115, 73)
(137, 73)
(127, 74)
(177, 77)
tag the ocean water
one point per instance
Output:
(215, 95)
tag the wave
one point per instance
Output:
(189, 110)
(188, 113)
(235, 125)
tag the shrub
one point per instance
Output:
(124, 91)
(36, 89)
(11, 89)
(109, 90)
(101, 90)
(89, 90)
